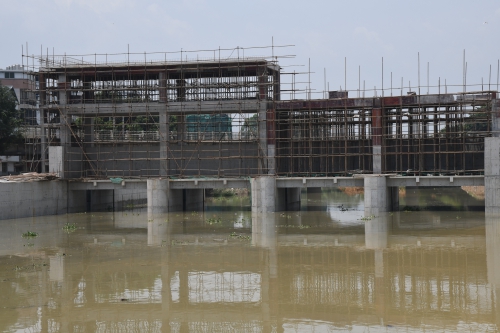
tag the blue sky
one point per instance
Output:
(326, 32)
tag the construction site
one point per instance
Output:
(207, 114)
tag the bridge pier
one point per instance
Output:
(263, 192)
(267, 198)
(492, 175)
(162, 199)
(379, 197)
(157, 192)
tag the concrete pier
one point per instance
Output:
(492, 175)
(263, 194)
(158, 190)
(377, 198)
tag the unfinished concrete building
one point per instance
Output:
(185, 125)
(225, 117)
(175, 119)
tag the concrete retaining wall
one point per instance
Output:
(32, 199)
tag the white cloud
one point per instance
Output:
(367, 34)
(372, 37)
(97, 6)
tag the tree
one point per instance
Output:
(10, 120)
(250, 128)
(477, 121)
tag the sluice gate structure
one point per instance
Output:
(178, 124)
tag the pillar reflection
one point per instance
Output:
(376, 236)
(158, 230)
(492, 231)
(264, 235)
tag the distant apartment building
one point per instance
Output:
(23, 86)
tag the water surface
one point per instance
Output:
(322, 270)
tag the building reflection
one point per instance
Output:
(173, 278)
(492, 226)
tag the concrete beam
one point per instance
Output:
(205, 183)
(327, 182)
(175, 184)
(206, 107)
(230, 106)
(129, 184)
(434, 181)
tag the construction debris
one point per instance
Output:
(29, 177)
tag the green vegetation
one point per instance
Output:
(30, 234)
(135, 124)
(214, 220)
(479, 121)
(302, 226)
(69, 227)
(10, 120)
(250, 128)
(225, 193)
(239, 236)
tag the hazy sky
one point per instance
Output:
(327, 32)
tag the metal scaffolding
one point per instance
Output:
(224, 113)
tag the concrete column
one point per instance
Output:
(263, 194)
(43, 141)
(62, 85)
(181, 129)
(88, 128)
(376, 195)
(495, 117)
(377, 140)
(163, 86)
(262, 132)
(56, 161)
(158, 190)
(65, 135)
(271, 141)
(377, 159)
(288, 199)
(194, 200)
(164, 132)
(492, 175)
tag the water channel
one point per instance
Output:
(325, 268)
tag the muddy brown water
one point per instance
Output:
(321, 270)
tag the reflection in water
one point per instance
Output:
(233, 271)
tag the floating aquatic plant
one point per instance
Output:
(30, 234)
(69, 227)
